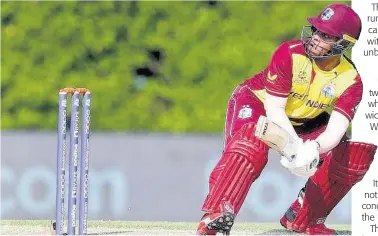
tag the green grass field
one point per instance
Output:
(41, 227)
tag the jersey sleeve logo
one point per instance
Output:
(271, 77)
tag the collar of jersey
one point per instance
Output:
(338, 69)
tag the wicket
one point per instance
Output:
(73, 162)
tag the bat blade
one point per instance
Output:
(276, 137)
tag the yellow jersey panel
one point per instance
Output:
(310, 91)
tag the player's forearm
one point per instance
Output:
(275, 112)
(336, 128)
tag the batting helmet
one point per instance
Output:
(338, 20)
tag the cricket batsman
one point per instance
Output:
(311, 90)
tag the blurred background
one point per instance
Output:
(160, 74)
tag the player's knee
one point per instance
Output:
(247, 145)
(245, 142)
(350, 161)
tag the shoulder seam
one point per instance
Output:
(351, 62)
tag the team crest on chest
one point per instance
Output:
(329, 91)
(245, 112)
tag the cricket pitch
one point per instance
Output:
(102, 227)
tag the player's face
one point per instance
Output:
(320, 43)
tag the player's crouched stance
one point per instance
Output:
(304, 78)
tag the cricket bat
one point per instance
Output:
(276, 137)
